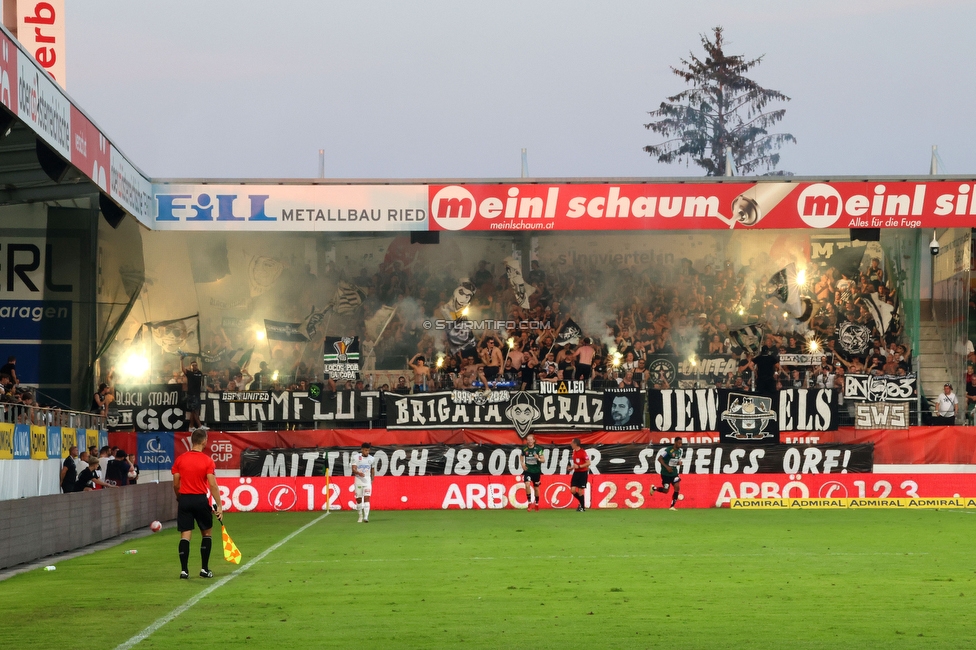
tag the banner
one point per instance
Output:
(887, 388)
(6, 441)
(882, 415)
(499, 409)
(740, 416)
(623, 409)
(800, 359)
(69, 439)
(281, 331)
(155, 451)
(281, 208)
(851, 504)
(699, 206)
(92, 439)
(617, 491)
(246, 396)
(22, 442)
(54, 442)
(678, 372)
(341, 357)
(153, 407)
(38, 442)
(293, 407)
(40, 29)
(500, 460)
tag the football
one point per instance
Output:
(155, 526)
(681, 497)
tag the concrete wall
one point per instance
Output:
(40, 526)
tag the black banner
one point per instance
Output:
(678, 372)
(152, 407)
(623, 409)
(741, 416)
(886, 388)
(250, 396)
(293, 407)
(499, 409)
(341, 356)
(498, 460)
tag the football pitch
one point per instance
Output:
(517, 579)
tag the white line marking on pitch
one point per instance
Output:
(160, 622)
(594, 557)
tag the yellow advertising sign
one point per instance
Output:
(38, 442)
(91, 437)
(6, 441)
(69, 438)
(852, 504)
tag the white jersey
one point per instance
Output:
(365, 465)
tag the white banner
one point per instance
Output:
(130, 188)
(336, 208)
(42, 105)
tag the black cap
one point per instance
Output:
(948, 384)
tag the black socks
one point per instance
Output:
(205, 544)
(184, 553)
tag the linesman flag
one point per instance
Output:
(231, 554)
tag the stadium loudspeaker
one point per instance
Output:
(52, 164)
(113, 214)
(425, 237)
(6, 123)
(866, 234)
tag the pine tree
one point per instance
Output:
(723, 111)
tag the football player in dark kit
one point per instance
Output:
(532, 459)
(581, 473)
(670, 470)
(193, 478)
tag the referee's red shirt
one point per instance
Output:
(580, 457)
(193, 467)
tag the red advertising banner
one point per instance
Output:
(90, 150)
(701, 205)
(604, 491)
(8, 73)
(915, 446)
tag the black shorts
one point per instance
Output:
(194, 508)
(669, 479)
(192, 403)
(535, 478)
(579, 479)
(583, 371)
(491, 372)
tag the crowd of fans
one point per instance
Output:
(96, 469)
(627, 315)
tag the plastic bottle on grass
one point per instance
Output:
(131, 551)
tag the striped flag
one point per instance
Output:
(348, 297)
(231, 553)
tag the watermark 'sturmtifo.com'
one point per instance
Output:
(487, 324)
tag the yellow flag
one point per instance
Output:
(231, 554)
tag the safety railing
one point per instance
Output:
(50, 417)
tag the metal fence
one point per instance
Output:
(49, 417)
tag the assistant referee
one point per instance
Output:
(193, 476)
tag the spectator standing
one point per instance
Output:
(9, 369)
(118, 470)
(100, 400)
(69, 471)
(104, 455)
(194, 386)
(81, 463)
(947, 406)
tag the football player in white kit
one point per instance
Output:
(363, 468)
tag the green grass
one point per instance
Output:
(513, 579)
